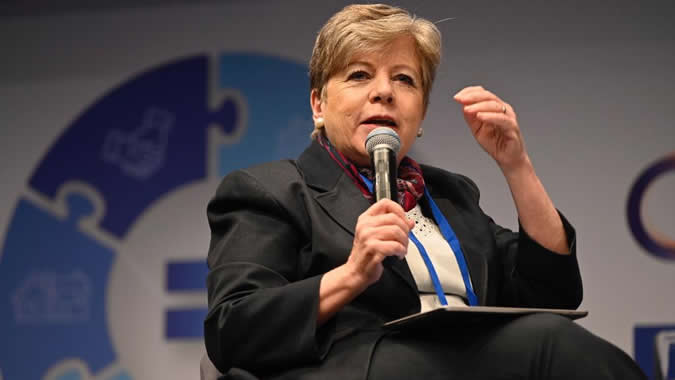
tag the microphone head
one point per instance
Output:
(383, 136)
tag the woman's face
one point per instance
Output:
(382, 88)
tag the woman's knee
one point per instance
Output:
(545, 326)
(550, 334)
(568, 348)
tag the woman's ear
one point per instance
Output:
(316, 103)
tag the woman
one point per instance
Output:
(301, 270)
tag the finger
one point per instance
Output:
(386, 233)
(369, 237)
(381, 206)
(497, 118)
(476, 96)
(470, 89)
(387, 220)
(366, 225)
(392, 248)
(376, 251)
(486, 106)
(386, 206)
(467, 89)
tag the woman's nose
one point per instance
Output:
(382, 91)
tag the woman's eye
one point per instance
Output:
(358, 75)
(406, 79)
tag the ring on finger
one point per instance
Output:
(503, 108)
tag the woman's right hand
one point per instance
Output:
(381, 231)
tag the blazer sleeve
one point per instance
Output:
(532, 275)
(262, 313)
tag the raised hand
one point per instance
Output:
(494, 125)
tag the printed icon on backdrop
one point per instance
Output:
(52, 298)
(141, 153)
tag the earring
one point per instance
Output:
(420, 132)
(318, 122)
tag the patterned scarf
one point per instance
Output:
(410, 182)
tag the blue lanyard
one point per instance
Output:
(452, 240)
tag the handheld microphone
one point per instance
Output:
(383, 144)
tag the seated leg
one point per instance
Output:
(539, 346)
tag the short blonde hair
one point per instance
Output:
(365, 28)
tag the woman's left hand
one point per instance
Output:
(494, 125)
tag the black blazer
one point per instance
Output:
(278, 227)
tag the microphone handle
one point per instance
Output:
(384, 164)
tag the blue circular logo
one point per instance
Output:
(649, 239)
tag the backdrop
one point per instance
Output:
(118, 122)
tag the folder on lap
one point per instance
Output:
(463, 315)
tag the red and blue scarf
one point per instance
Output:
(410, 182)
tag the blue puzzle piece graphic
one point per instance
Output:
(53, 280)
(138, 142)
(279, 116)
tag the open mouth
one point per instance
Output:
(383, 121)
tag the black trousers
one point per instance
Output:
(539, 346)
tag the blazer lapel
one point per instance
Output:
(335, 191)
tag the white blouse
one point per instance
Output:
(442, 256)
